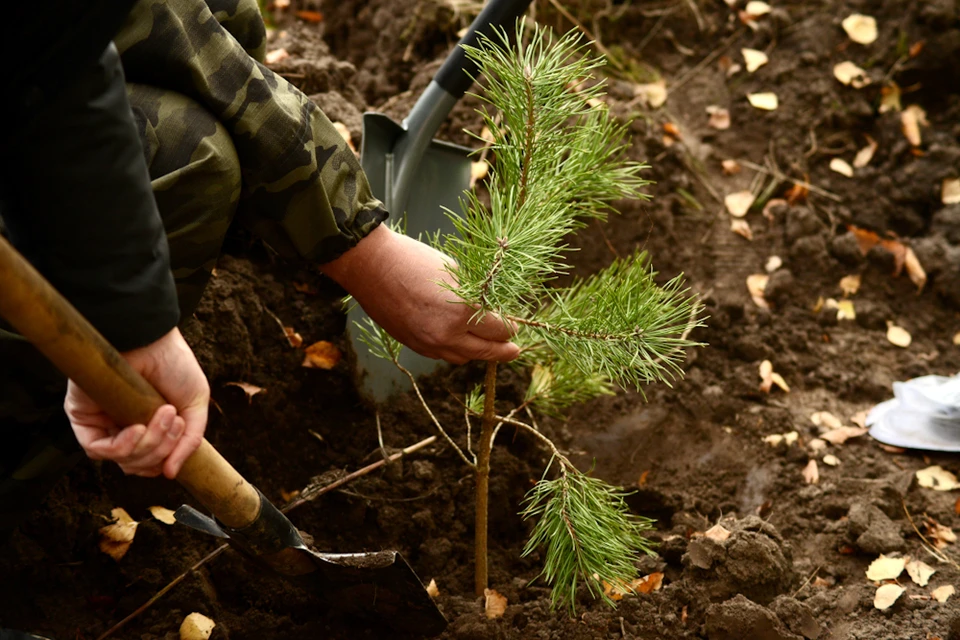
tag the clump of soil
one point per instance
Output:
(794, 564)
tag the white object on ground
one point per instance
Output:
(924, 414)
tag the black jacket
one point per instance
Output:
(75, 194)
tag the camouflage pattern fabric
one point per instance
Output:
(223, 137)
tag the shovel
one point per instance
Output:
(379, 584)
(417, 176)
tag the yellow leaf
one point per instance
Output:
(741, 227)
(841, 434)
(898, 335)
(890, 98)
(849, 285)
(831, 460)
(756, 284)
(886, 595)
(956, 338)
(910, 121)
(478, 171)
(842, 167)
(196, 626)
(825, 419)
(649, 583)
(885, 568)
(950, 191)
(294, 339)
(249, 389)
(754, 59)
(730, 167)
(163, 514)
(865, 155)
(861, 29)
(942, 594)
(769, 378)
(766, 101)
(432, 589)
(773, 263)
(322, 355)
(494, 604)
(275, 56)
(914, 269)
(920, 572)
(937, 478)
(116, 538)
(845, 310)
(739, 203)
(811, 473)
(654, 93)
(850, 74)
(757, 8)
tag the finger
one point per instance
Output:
(473, 348)
(491, 326)
(144, 472)
(118, 447)
(195, 423)
(156, 433)
(166, 441)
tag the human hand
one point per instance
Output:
(395, 279)
(175, 430)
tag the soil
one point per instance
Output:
(793, 566)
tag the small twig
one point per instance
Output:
(579, 25)
(942, 557)
(696, 14)
(781, 176)
(682, 80)
(530, 429)
(807, 581)
(607, 240)
(383, 448)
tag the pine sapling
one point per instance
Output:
(560, 161)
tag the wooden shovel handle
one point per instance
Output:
(45, 318)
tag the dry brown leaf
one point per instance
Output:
(787, 438)
(478, 171)
(730, 167)
(890, 98)
(768, 378)
(811, 473)
(672, 130)
(846, 311)
(910, 121)
(753, 59)
(322, 355)
(773, 263)
(495, 604)
(772, 204)
(755, 8)
(756, 284)
(798, 192)
(275, 56)
(831, 460)
(653, 93)
(432, 589)
(817, 444)
(956, 338)
(942, 594)
(950, 191)
(719, 117)
(849, 285)
(767, 101)
(826, 420)
(860, 418)
(287, 496)
(717, 532)
(741, 227)
(249, 390)
(739, 203)
(941, 534)
(937, 478)
(196, 626)
(841, 166)
(850, 74)
(842, 434)
(898, 335)
(163, 514)
(116, 538)
(885, 568)
(886, 595)
(649, 583)
(294, 339)
(920, 572)
(309, 16)
(861, 29)
(865, 155)
(914, 269)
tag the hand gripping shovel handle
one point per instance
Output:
(35, 309)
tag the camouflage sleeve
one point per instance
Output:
(299, 176)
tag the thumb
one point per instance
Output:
(475, 348)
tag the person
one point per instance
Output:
(135, 135)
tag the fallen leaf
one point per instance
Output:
(849, 74)
(116, 538)
(849, 285)
(956, 338)
(773, 263)
(937, 478)
(798, 192)
(730, 167)
(826, 420)
(811, 473)
(719, 117)
(865, 155)
(845, 310)
(642, 480)
(495, 604)
(196, 626)
(860, 28)
(910, 121)
(890, 448)
(653, 93)
(303, 287)
(860, 418)
(322, 355)
(756, 8)
(309, 16)
(956, 507)
(293, 338)
(831, 460)
(950, 191)
(885, 568)
(886, 595)
(942, 594)
(769, 378)
(771, 205)
(672, 130)
(275, 56)
(842, 434)
(249, 389)
(739, 203)
(841, 166)
(914, 269)
(287, 496)
(347, 136)
(898, 335)
(756, 284)
(890, 98)
(920, 572)
(753, 59)
(941, 534)
(817, 444)
(432, 590)
(163, 514)
(741, 227)
(766, 101)
(717, 532)
(786, 438)
(821, 582)
(478, 171)
(281, 4)
(916, 48)
(649, 583)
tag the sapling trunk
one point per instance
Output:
(487, 427)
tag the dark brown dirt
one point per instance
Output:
(794, 564)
